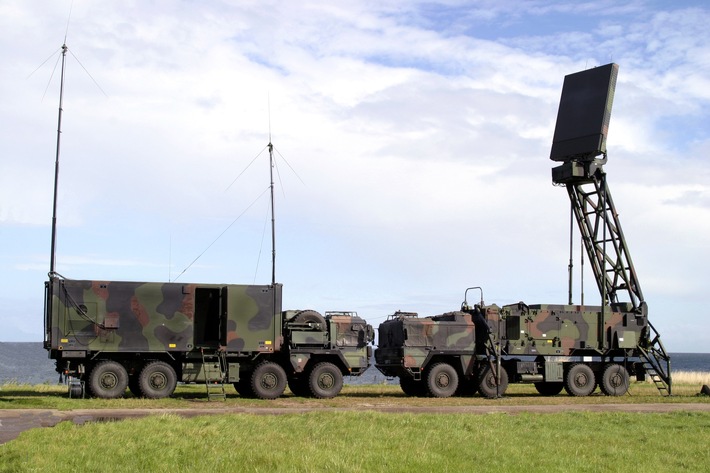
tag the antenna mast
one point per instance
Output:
(273, 218)
(53, 256)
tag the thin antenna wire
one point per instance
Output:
(220, 235)
(45, 61)
(261, 245)
(88, 73)
(66, 31)
(281, 184)
(49, 82)
(170, 258)
(290, 167)
(245, 169)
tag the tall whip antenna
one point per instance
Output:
(273, 216)
(53, 251)
(53, 255)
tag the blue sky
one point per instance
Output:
(413, 142)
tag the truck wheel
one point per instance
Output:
(243, 387)
(442, 380)
(580, 380)
(299, 386)
(325, 380)
(108, 380)
(615, 380)
(549, 389)
(268, 380)
(309, 316)
(157, 380)
(410, 387)
(133, 386)
(467, 387)
(488, 386)
(76, 391)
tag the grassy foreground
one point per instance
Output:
(370, 442)
(363, 440)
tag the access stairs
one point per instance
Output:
(494, 358)
(214, 363)
(657, 363)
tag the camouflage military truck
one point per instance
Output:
(575, 347)
(483, 348)
(147, 337)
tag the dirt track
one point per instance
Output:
(14, 422)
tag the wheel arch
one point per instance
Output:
(336, 359)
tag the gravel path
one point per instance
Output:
(15, 421)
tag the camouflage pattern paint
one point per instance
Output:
(346, 334)
(407, 342)
(120, 316)
(352, 337)
(253, 318)
(565, 330)
(547, 335)
(136, 322)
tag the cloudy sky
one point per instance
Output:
(411, 140)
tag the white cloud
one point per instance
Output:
(421, 133)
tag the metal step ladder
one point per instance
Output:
(657, 363)
(493, 354)
(214, 364)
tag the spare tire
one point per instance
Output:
(309, 316)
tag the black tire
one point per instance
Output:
(87, 388)
(309, 316)
(442, 380)
(580, 380)
(108, 380)
(549, 389)
(467, 387)
(325, 380)
(299, 386)
(489, 386)
(615, 380)
(268, 381)
(133, 386)
(76, 391)
(157, 380)
(410, 387)
(243, 387)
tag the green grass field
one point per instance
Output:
(363, 440)
(370, 442)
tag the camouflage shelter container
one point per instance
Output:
(546, 329)
(110, 335)
(133, 317)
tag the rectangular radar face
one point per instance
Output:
(583, 116)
